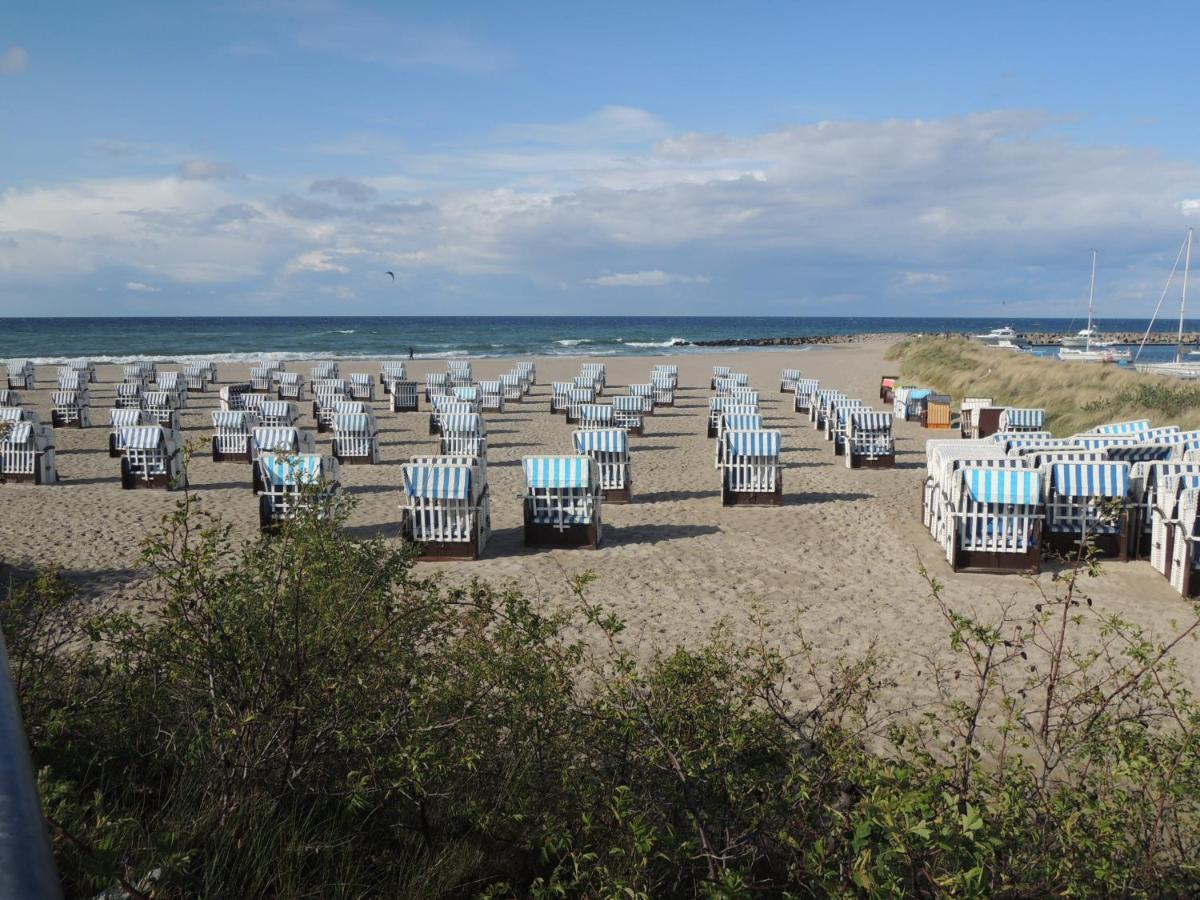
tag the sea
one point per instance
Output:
(236, 339)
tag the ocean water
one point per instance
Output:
(53, 340)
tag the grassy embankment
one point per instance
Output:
(1076, 396)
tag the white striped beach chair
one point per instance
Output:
(291, 386)
(596, 417)
(664, 389)
(279, 441)
(128, 395)
(1148, 486)
(562, 501)
(1019, 446)
(362, 386)
(715, 406)
(577, 398)
(718, 373)
(389, 371)
(597, 373)
(150, 458)
(827, 409)
(141, 374)
(72, 380)
(443, 405)
(404, 396)
(610, 449)
(820, 403)
(1088, 500)
(722, 386)
(512, 386)
(468, 393)
(1135, 427)
(997, 520)
(1184, 536)
(327, 392)
(253, 402)
(85, 366)
(869, 441)
(1139, 453)
(447, 507)
(463, 434)
(1042, 457)
(355, 438)
(560, 396)
(734, 417)
(942, 461)
(528, 375)
(9, 398)
(459, 371)
(645, 391)
(172, 383)
(627, 413)
(71, 409)
(20, 374)
(262, 379)
(232, 432)
(196, 377)
(436, 384)
(491, 395)
(967, 425)
(837, 422)
(1013, 419)
(233, 396)
(1165, 519)
(278, 414)
(324, 369)
(162, 408)
(119, 419)
(750, 470)
(804, 390)
(27, 453)
(900, 401)
(787, 381)
(1002, 438)
(290, 484)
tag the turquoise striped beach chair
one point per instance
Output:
(150, 458)
(1088, 500)
(646, 392)
(627, 413)
(281, 441)
(997, 520)
(463, 434)
(750, 470)
(943, 459)
(327, 393)
(447, 507)
(560, 396)
(436, 384)
(468, 393)
(596, 416)
(577, 398)
(734, 418)
(459, 371)
(1123, 428)
(610, 449)
(295, 483)
(444, 405)
(562, 501)
(512, 386)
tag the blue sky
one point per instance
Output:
(790, 159)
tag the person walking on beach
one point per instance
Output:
(410, 353)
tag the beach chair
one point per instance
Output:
(9, 398)
(233, 396)
(173, 384)
(820, 403)
(1165, 519)
(751, 474)
(716, 405)
(327, 393)
(128, 395)
(85, 366)
(967, 425)
(718, 372)
(1013, 419)
(609, 447)
(390, 371)
(828, 406)
(560, 396)
(528, 372)
(914, 403)
(837, 421)
(150, 458)
(279, 441)
(278, 414)
(72, 380)
(627, 413)
(598, 375)
(1153, 487)
(404, 396)
(935, 411)
(1088, 499)
(324, 369)
(436, 384)
(196, 377)
(1004, 438)
(491, 395)
(997, 520)
(900, 401)
(664, 390)
(736, 418)
(27, 453)
(447, 508)
(869, 442)
(292, 483)
(596, 417)
(356, 438)
(562, 501)
(122, 418)
(577, 398)
(21, 374)
(362, 386)
(787, 381)
(722, 386)
(442, 405)
(468, 393)
(459, 371)
(645, 391)
(512, 387)
(887, 383)
(253, 402)
(804, 390)
(1135, 427)
(141, 374)
(213, 376)
(71, 409)
(463, 434)
(162, 406)
(262, 379)
(943, 459)
(232, 433)
(291, 386)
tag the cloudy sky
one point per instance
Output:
(278, 157)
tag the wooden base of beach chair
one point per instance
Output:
(34, 477)
(636, 430)
(353, 460)
(712, 429)
(114, 452)
(433, 550)
(538, 534)
(877, 462)
(618, 495)
(753, 498)
(406, 407)
(131, 482)
(999, 563)
(324, 427)
(219, 457)
(59, 421)
(670, 405)
(256, 484)
(839, 449)
(434, 428)
(935, 426)
(1108, 546)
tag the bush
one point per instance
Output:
(304, 716)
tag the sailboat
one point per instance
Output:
(1093, 350)
(1181, 367)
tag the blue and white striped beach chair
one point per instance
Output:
(820, 403)
(85, 366)
(119, 419)
(278, 414)
(150, 458)
(512, 386)
(232, 431)
(491, 395)
(174, 384)
(468, 393)
(646, 392)
(71, 409)
(718, 372)
(27, 453)
(9, 398)
(139, 373)
(279, 441)
(196, 377)
(598, 374)
(610, 449)
(443, 405)
(997, 520)
(943, 459)
(464, 434)
(528, 372)
(324, 369)
(1153, 490)
(163, 408)
(295, 482)
(734, 418)
(128, 395)
(787, 381)
(1088, 500)
(627, 413)
(362, 386)
(663, 385)
(404, 396)
(577, 398)
(804, 389)
(750, 470)
(262, 379)
(1014, 419)
(562, 501)
(837, 420)
(436, 384)
(560, 395)
(291, 386)
(21, 374)
(595, 416)
(389, 371)
(459, 371)
(327, 393)
(869, 441)
(1134, 427)
(447, 508)
(1183, 537)
(355, 437)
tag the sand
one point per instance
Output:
(839, 560)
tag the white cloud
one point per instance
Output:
(652, 278)
(141, 288)
(923, 280)
(345, 188)
(1189, 207)
(207, 170)
(13, 60)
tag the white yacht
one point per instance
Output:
(1004, 337)
(1086, 337)
(1092, 350)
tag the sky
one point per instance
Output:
(279, 157)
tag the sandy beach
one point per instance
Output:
(840, 560)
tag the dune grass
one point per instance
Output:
(1076, 396)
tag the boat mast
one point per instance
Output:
(1091, 299)
(1187, 264)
